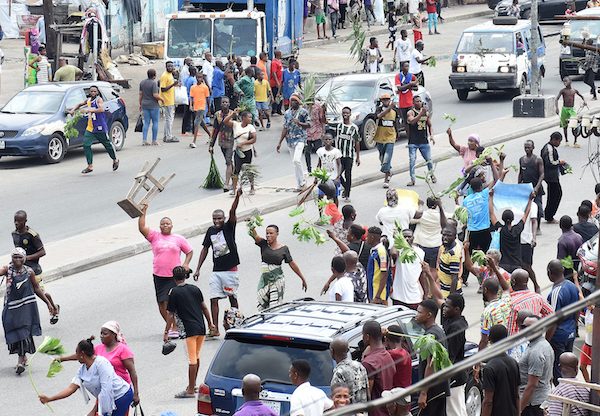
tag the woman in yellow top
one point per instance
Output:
(385, 135)
(262, 95)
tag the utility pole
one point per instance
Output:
(536, 79)
(48, 8)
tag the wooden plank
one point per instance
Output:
(574, 403)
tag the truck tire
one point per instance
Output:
(462, 94)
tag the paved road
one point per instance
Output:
(74, 204)
(123, 291)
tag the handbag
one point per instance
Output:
(181, 97)
(135, 411)
(139, 124)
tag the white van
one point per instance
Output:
(495, 56)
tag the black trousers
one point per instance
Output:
(342, 21)
(188, 119)
(346, 175)
(589, 78)
(532, 411)
(275, 107)
(311, 147)
(553, 200)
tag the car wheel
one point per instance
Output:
(473, 398)
(57, 148)
(368, 129)
(462, 94)
(117, 135)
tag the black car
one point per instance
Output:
(547, 9)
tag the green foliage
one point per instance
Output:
(320, 174)
(249, 174)
(567, 262)
(567, 169)
(213, 179)
(254, 222)
(452, 187)
(406, 254)
(461, 214)
(296, 211)
(478, 257)
(51, 346)
(306, 232)
(358, 37)
(55, 368)
(432, 62)
(428, 346)
(450, 117)
(70, 128)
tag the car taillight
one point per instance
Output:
(122, 101)
(589, 267)
(204, 402)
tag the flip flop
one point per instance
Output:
(185, 395)
(20, 368)
(54, 318)
(115, 164)
(87, 170)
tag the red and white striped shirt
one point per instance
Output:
(526, 300)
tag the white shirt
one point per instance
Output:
(241, 134)
(207, 70)
(428, 232)
(329, 160)
(344, 287)
(414, 67)
(527, 234)
(403, 50)
(309, 401)
(387, 217)
(406, 286)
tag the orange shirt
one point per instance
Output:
(261, 64)
(199, 93)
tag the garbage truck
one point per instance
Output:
(240, 27)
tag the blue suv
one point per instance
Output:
(268, 342)
(32, 122)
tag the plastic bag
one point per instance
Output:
(139, 124)
(181, 97)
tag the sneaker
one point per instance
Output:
(386, 185)
(193, 145)
(175, 140)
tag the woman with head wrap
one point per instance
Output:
(466, 152)
(393, 211)
(114, 348)
(20, 315)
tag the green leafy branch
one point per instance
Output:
(213, 179)
(254, 222)
(461, 214)
(406, 253)
(478, 257)
(70, 128)
(428, 346)
(567, 262)
(358, 36)
(50, 346)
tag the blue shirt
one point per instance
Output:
(189, 82)
(295, 133)
(477, 207)
(218, 83)
(563, 294)
(289, 83)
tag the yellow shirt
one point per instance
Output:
(261, 91)
(168, 97)
(449, 264)
(386, 130)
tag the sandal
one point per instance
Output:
(54, 318)
(87, 170)
(115, 164)
(185, 395)
(213, 334)
(19, 369)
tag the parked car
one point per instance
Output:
(361, 93)
(547, 9)
(268, 342)
(588, 265)
(32, 122)
(571, 58)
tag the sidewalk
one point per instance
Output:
(123, 240)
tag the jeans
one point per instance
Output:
(296, 151)
(432, 21)
(169, 112)
(346, 175)
(150, 114)
(425, 151)
(311, 147)
(553, 200)
(386, 151)
(188, 117)
(369, 9)
(559, 347)
(334, 18)
(89, 138)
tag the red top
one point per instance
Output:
(405, 97)
(403, 376)
(276, 72)
(431, 6)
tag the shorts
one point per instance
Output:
(228, 155)
(320, 18)
(565, 114)
(431, 255)
(527, 254)
(585, 358)
(480, 240)
(223, 284)
(162, 287)
(238, 162)
(199, 119)
(193, 346)
(338, 190)
(262, 105)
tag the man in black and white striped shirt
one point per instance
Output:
(348, 142)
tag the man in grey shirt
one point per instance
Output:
(535, 369)
(149, 99)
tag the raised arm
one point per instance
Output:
(503, 282)
(236, 201)
(528, 208)
(228, 120)
(342, 246)
(443, 219)
(451, 140)
(433, 286)
(142, 227)
(493, 218)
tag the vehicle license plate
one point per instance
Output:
(273, 405)
(2, 144)
(481, 85)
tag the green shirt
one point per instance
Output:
(246, 86)
(67, 73)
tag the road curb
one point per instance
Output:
(121, 253)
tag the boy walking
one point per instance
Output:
(568, 94)
(348, 142)
(262, 95)
(199, 93)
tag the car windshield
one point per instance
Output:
(238, 357)
(360, 91)
(578, 27)
(472, 42)
(189, 37)
(237, 36)
(35, 102)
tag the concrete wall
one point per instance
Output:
(151, 27)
